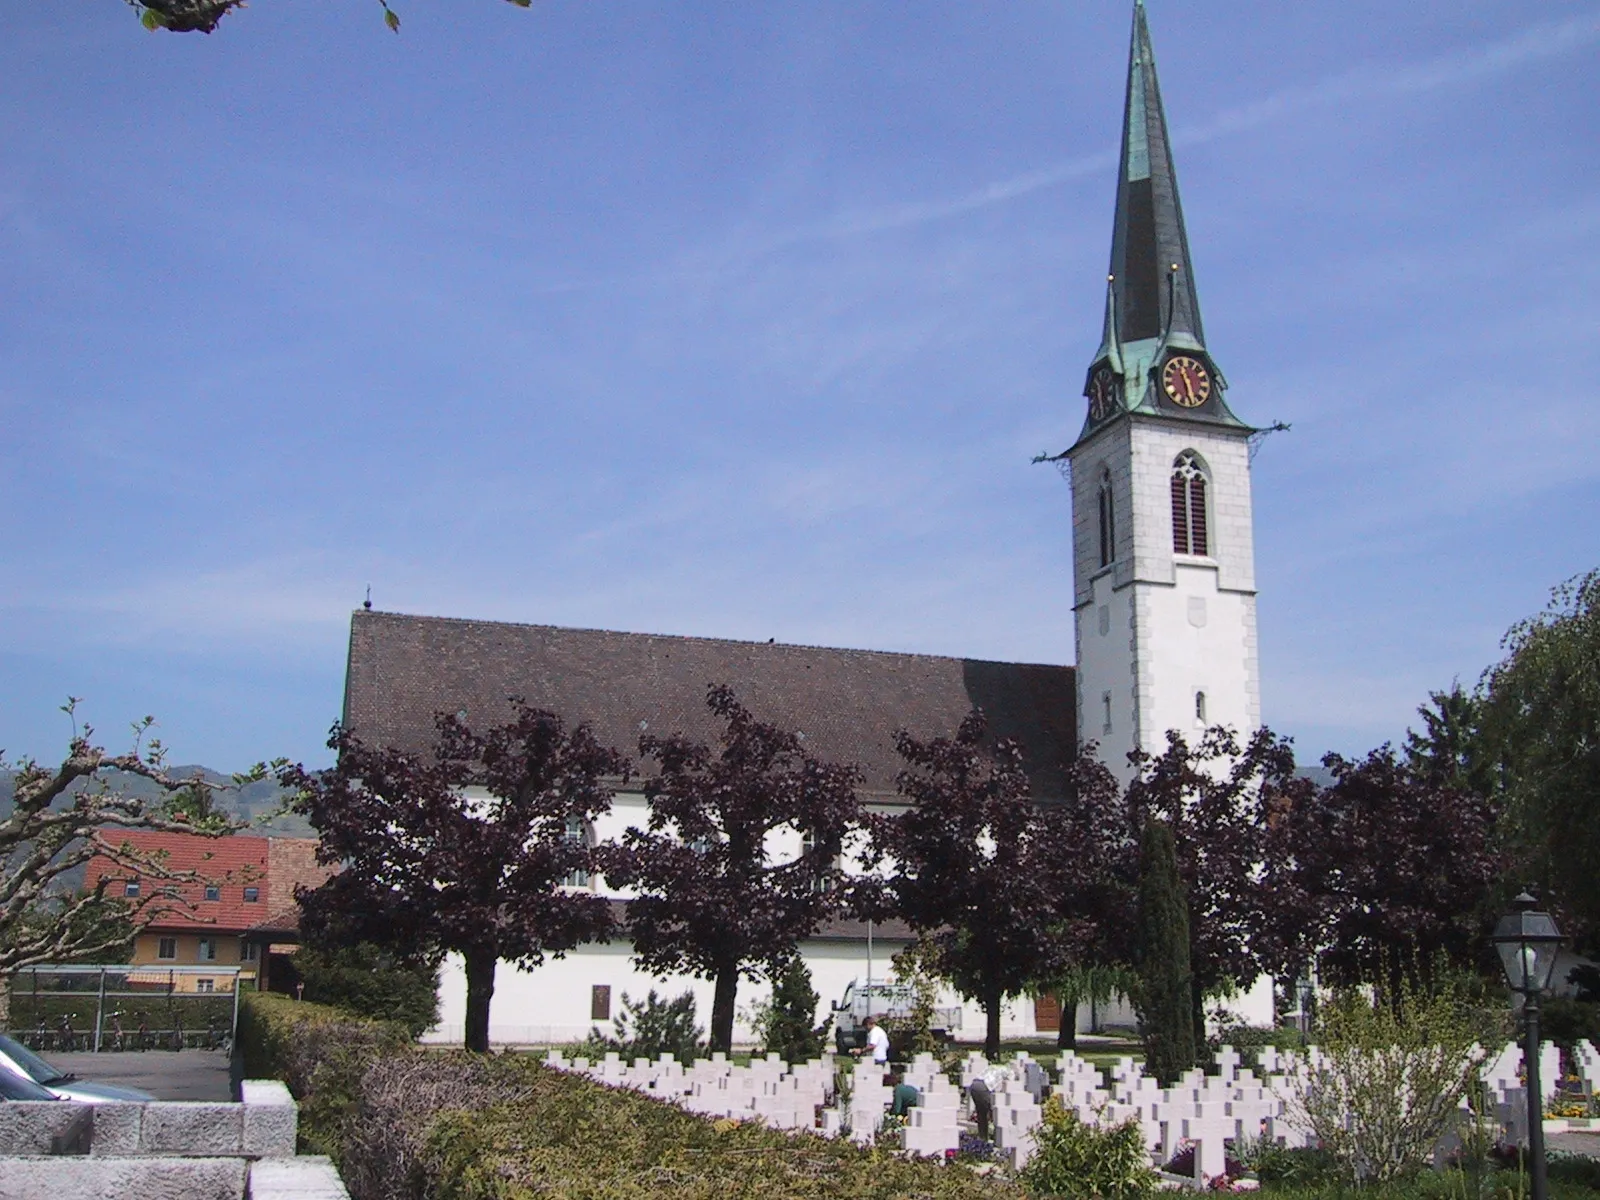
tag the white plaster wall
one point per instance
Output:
(1173, 625)
(1196, 637)
(550, 1004)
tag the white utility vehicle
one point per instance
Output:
(882, 999)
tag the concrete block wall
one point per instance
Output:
(265, 1127)
(165, 1150)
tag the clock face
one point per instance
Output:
(1102, 394)
(1186, 381)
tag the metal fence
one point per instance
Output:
(66, 1008)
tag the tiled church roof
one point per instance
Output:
(848, 703)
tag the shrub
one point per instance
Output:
(785, 1021)
(385, 1152)
(369, 981)
(1568, 1021)
(1290, 1166)
(321, 1053)
(404, 1125)
(572, 1137)
(1251, 1040)
(1073, 1159)
(1390, 1078)
(650, 1028)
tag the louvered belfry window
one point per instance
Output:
(1189, 534)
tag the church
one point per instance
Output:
(1163, 599)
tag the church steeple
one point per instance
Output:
(1148, 239)
(1163, 549)
(1153, 357)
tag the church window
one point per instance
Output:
(1200, 707)
(826, 881)
(578, 834)
(1189, 535)
(1108, 520)
(1105, 704)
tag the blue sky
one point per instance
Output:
(745, 320)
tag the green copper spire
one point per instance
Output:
(1152, 358)
(1148, 240)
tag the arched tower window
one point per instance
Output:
(1189, 535)
(1108, 520)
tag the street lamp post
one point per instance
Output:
(1528, 941)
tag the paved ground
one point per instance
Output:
(165, 1074)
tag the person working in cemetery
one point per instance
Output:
(981, 1091)
(877, 1041)
(905, 1097)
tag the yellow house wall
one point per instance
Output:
(147, 952)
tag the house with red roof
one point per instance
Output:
(232, 904)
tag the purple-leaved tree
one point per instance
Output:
(973, 866)
(472, 851)
(714, 899)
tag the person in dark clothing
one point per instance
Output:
(905, 1096)
(982, 1106)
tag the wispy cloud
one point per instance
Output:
(1374, 81)
(1364, 83)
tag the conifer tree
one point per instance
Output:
(1166, 1019)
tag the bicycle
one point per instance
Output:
(66, 1036)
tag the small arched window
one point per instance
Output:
(1200, 707)
(1108, 520)
(1189, 535)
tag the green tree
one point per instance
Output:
(787, 1021)
(1541, 731)
(651, 1027)
(371, 981)
(1449, 751)
(1164, 995)
(1096, 984)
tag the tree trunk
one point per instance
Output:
(991, 1037)
(480, 990)
(722, 1010)
(1067, 1032)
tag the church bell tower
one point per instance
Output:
(1163, 555)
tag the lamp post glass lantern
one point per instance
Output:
(1528, 942)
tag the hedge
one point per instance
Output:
(322, 1053)
(402, 1122)
(571, 1137)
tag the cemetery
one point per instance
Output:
(1201, 1119)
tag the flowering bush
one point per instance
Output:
(1073, 1159)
